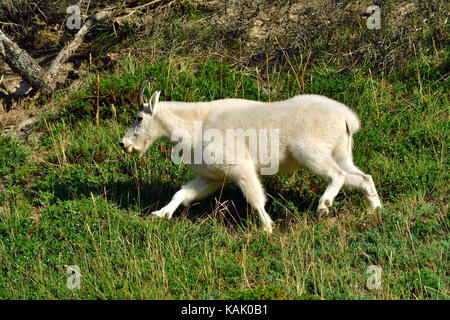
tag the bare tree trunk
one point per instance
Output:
(22, 63)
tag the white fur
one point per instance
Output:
(315, 133)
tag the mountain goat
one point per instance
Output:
(307, 131)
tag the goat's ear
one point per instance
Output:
(152, 105)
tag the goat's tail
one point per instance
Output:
(352, 124)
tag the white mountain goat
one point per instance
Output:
(311, 132)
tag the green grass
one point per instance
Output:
(73, 198)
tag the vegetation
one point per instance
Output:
(70, 196)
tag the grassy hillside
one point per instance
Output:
(70, 196)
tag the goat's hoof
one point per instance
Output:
(376, 209)
(158, 214)
(375, 204)
(153, 216)
(322, 211)
(269, 228)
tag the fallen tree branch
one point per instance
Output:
(68, 50)
(22, 63)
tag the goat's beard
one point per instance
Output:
(131, 150)
(144, 150)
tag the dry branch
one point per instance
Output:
(68, 50)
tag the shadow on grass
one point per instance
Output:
(227, 205)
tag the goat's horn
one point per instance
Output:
(141, 93)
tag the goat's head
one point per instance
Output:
(141, 135)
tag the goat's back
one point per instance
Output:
(298, 117)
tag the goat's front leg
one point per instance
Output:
(248, 181)
(193, 190)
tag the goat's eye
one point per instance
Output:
(139, 119)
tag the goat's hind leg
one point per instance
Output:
(325, 166)
(364, 183)
(356, 179)
(336, 177)
(193, 190)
